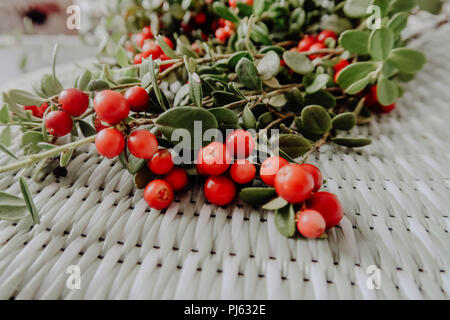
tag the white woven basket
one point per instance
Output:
(395, 195)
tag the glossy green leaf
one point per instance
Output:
(356, 76)
(381, 43)
(98, 85)
(25, 98)
(316, 120)
(352, 142)
(28, 200)
(226, 118)
(407, 60)
(285, 220)
(356, 8)
(344, 121)
(275, 204)
(165, 48)
(298, 62)
(387, 91)
(248, 118)
(248, 74)
(322, 98)
(398, 22)
(292, 144)
(12, 208)
(355, 41)
(236, 57)
(257, 196)
(195, 89)
(224, 12)
(269, 65)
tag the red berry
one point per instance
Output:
(221, 34)
(99, 126)
(139, 57)
(200, 18)
(316, 174)
(142, 144)
(248, 2)
(110, 142)
(163, 67)
(325, 34)
(219, 190)
(341, 65)
(42, 109)
(214, 159)
(240, 144)
(387, 109)
(177, 178)
(328, 205)
(270, 168)
(75, 102)
(151, 48)
(161, 162)
(147, 32)
(111, 107)
(242, 171)
(293, 183)
(232, 3)
(58, 123)
(169, 42)
(158, 194)
(140, 38)
(137, 98)
(311, 224)
(34, 110)
(306, 43)
(315, 47)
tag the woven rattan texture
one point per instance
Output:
(395, 194)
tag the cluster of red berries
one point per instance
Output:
(315, 43)
(299, 184)
(37, 111)
(149, 47)
(224, 29)
(372, 102)
(72, 103)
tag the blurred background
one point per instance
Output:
(30, 28)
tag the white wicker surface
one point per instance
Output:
(395, 195)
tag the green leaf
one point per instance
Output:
(143, 177)
(275, 204)
(4, 114)
(121, 56)
(86, 129)
(236, 57)
(248, 118)
(352, 142)
(130, 162)
(322, 98)
(344, 121)
(257, 196)
(248, 74)
(5, 137)
(30, 140)
(355, 76)
(98, 85)
(355, 41)
(398, 22)
(285, 220)
(184, 118)
(381, 42)
(222, 98)
(432, 6)
(195, 89)
(224, 12)
(315, 82)
(25, 98)
(165, 48)
(402, 5)
(29, 200)
(387, 91)
(260, 35)
(356, 8)
(298, 62)
(11, 207)
(226, 118)
(292, 144)
(269, 65)
(316, 120)
(159, 97)
(407, 60)
(65, 158)
(84, 80)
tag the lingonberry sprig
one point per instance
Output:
(277, 80)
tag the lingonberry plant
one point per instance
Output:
(277, 79)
